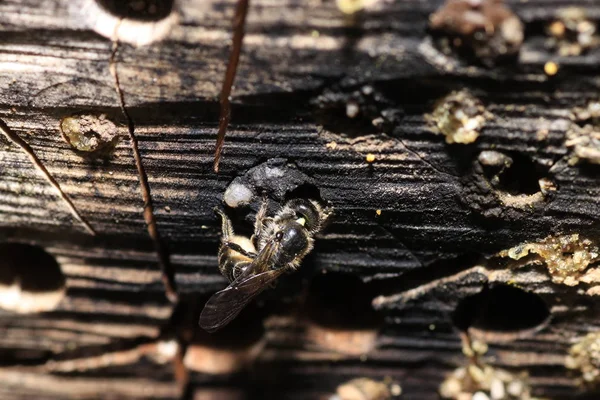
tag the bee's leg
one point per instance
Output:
(260, 220)
(236, 247)
(226, 227)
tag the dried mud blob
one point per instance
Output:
(90, 134)
(485, 29)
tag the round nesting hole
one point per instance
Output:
(515, 174)
(340, 315)
(136, 22)
(305, 191)
(229, 350)
(141, 10)
(31, 280)
(501, 313)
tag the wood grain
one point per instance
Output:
(299, 67)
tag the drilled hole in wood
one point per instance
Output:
(141, 10)
(514, 174)
(364, 111)
(137, 22)
(227, 351)
(340, 315)
(501, 313)
(305, 191)
(31, 280)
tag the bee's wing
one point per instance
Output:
(225, 305)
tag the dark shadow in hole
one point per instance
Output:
(521, 177)
(341, 301)
(502, 309)
(31, 267)
(305, 191)
(141, 10)
(246, 329)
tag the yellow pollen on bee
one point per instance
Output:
(370, 158)
(301, 221)
(378, 212)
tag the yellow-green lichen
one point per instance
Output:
(459, 116)
(585, 357)
(567, 257)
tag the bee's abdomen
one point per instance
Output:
(232, 263)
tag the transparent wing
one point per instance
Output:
(225, 305)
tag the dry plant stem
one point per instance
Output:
(168, 274)
(238, 35)
(15, 139)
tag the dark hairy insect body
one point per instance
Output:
(278, 245)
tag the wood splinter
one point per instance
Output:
(167, 270)
(239, 23)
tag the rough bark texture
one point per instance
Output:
(423, 221)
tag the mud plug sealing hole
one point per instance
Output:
(501, 313)
(31, 280)
(340, 315)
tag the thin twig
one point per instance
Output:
(168, 273)
(239, 24)
(15, 139)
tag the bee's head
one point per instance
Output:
(308, 213)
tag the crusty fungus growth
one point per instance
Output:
(459, 116)
(91, 134)
(486, 29)
(567, 258)
(585, 143)
(367, 389)
(585, 357)
(572, 32)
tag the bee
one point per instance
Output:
(278, 245)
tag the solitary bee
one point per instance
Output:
(278, 245)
